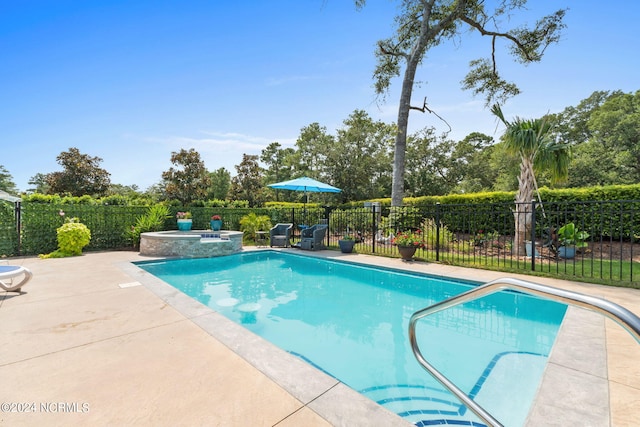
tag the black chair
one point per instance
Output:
(280, 235)
(312, 238)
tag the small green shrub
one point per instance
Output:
(72, 237)
(153, 220)
(251, 223)
(446, 237)
(569, 235)
(482, 238)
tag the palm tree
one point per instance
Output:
(538, 151)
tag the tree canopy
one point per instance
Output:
(247, 184)
(81, 175)
(220, 184)
(189, 180)
(602, 130)
(424, 24)
(6, 181)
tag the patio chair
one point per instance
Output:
(312, 238)
(10, 272)
(280, 235)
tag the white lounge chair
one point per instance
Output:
(10, 274)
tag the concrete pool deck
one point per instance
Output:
(94, 340)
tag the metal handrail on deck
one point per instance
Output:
(613, 311)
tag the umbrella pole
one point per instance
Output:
(304, 208)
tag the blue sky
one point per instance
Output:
(131, 81)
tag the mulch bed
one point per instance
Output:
(606, 250)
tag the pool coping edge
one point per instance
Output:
(325, 395)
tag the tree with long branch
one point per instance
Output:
(424, 24)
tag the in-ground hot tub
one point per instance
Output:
(194, 243)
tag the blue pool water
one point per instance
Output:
(351, 321)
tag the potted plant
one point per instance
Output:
(184, 221)
(408, 242)
(570, 239)
(346, 244)
(529, 248)
(216, 223)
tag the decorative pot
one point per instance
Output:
(184, 224)
(529, 249)
(216, 224)
(567, 252)
(346, 246)
(407, 252)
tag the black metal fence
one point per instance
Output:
(504, 236)
(492, 236)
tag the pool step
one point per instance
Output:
(425, 406)
(421, 405)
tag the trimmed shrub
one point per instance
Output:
(72, 237)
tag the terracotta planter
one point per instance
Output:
(407, 252)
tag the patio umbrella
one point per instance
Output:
(306, 184)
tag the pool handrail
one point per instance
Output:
(615, 312)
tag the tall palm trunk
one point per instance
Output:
(523, 213)
(530, 140)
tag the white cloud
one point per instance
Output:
(220, 149)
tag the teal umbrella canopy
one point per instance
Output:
(305, 184)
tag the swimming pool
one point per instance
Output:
(351, 322)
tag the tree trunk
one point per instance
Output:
(428, 32)
(523, 214)
(397, 187)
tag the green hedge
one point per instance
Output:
(8, 234)
(609, 212)
(610, 192)
(107, 224)
(618, 220)
(110, 217)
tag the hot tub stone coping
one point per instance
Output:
(193, 243)
(191, 234)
